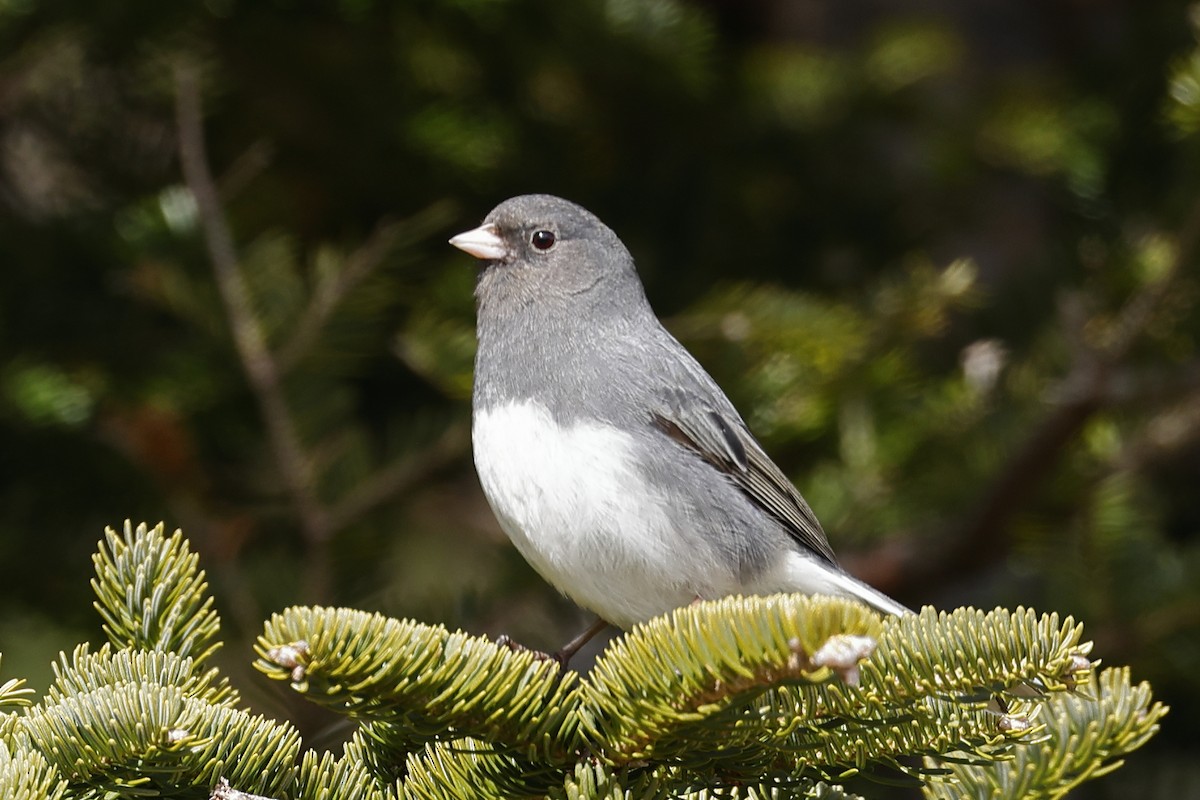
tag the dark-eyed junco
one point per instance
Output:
(615, 463)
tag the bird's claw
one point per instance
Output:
(504, 640)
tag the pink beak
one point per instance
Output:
(481, 242)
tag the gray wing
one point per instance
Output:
(704, 421)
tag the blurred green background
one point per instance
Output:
(941, 254)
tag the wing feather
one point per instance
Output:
(722, 439)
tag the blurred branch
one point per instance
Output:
(223, 791)
(327, 294)
(984, 533)
(261, 370)
(248, 166)
(1165, 434)
(1140, 387)
(401, 476)
(1148, 630)
(357, 268)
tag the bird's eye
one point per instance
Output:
(542, 240)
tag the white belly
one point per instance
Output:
(580, 513)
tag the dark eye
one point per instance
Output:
(542, 240)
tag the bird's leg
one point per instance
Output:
(568, 650)
(504, 640)
(564, 654)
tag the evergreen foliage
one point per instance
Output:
(152, 595)
(760, 697)
(942, 256)
(27, 775)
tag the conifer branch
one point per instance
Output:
(27, 775)
(402, 475)
(260, 367)
(742, 697)
(325, 777)
(931, 674)
(330, 290)
(152, 594)
(441, 770)
(723, 655)
(85, 671)
(14, 694)
(381, 750)
(224, 791)
(1086, 737)
(968, 654)
(433, 682)
(595, 780)
(140, 736)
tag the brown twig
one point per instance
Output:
(256, 360)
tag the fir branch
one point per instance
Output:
(808, 791)
(14, 694)
(142, 737)
(26, 775)
(324, 777)
(381, 750)
(795, 735)
(152, 595)
(826, 791)
(224, 791)
(968, 654)
(391, 756)
(424, 678)
(260, 367)
(471, 768)
(332, 288)
(791, 738)
(722, 654)
(1087, 737)
(10, 724)
(85, 671)
(596, 781)
(744, 696)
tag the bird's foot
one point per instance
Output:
(514, 646)
(564, 654)
(568, 650)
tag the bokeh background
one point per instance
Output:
(942, 255)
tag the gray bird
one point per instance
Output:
(613, 461)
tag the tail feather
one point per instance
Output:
(872, 597)
(804, 573)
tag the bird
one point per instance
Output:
(613, 461)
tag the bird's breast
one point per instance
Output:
(574, 502)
